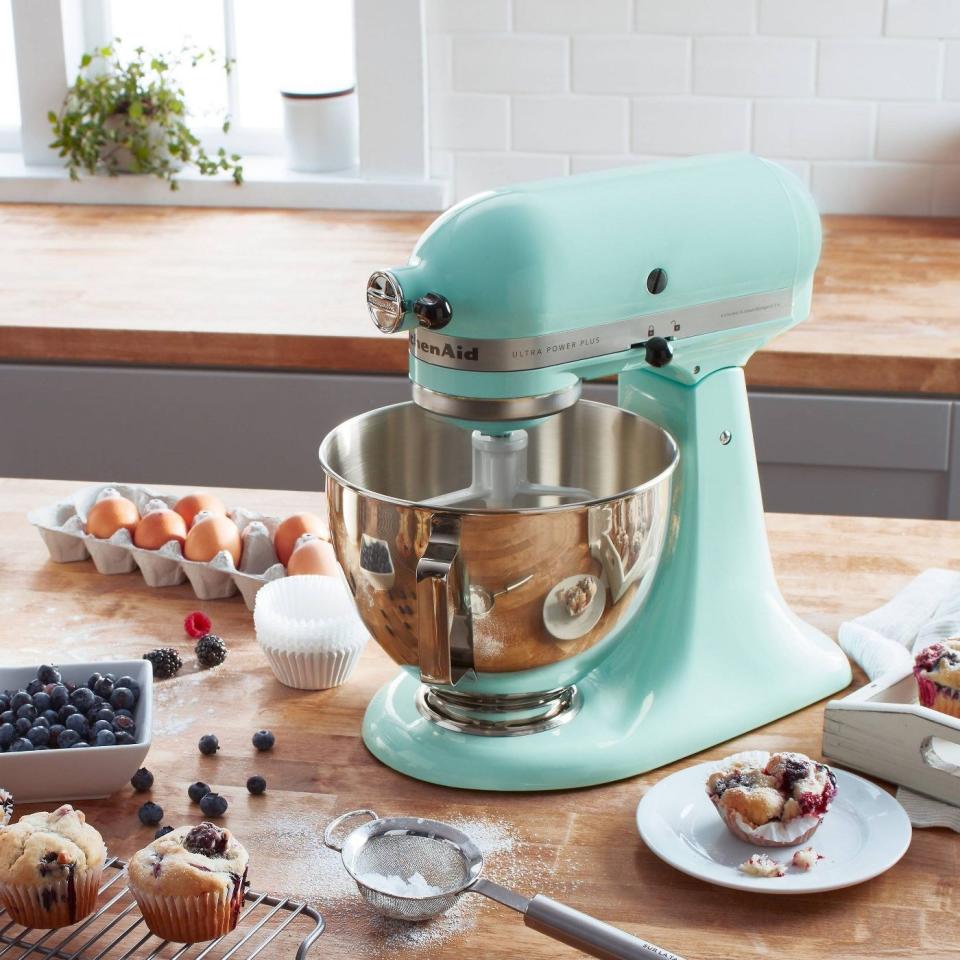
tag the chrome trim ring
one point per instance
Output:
(537, 712)
(495, 408)
(385, 301)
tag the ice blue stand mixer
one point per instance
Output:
(579, 592)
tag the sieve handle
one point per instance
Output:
(328, 840)
(588, 934)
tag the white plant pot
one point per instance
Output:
(320, 130)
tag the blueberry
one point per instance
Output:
(150, 813)
(213, 805)
(4, 701)
(23, 725)
(122, 699)
(8, 716)
(39, 736)
(125, 713)
(67, 738)
(78, 723)
(131, 685)
(67, 710)
(28, 710)
(124, 724)
(105, 738)
(41, 701)
(47, 674)
(264, 740)
(81, 743)
(34, 686)
(95, 678)
(101, 725)
(142, 780)
(209, 744)
(103, 688)
(8, 733)
(59, 695)
(20, 744)
(162, 832)
(256, 784)
(124, 738)
(55, 730)
(41, 722)
(197, 791)
(83, 699)
(105, 713)
(51, 716)
(19, 699)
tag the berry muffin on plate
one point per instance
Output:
(772, 800)
(50, 867)
(190, 883)
(937, 669)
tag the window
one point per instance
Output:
(9, 93)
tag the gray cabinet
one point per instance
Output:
(874, 456)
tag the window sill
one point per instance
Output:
(267, 183)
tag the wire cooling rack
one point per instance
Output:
(116, 931)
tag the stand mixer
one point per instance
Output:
(579, 592)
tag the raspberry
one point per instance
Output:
(197, 624)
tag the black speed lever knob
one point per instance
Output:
(659, 352)
(432, 311)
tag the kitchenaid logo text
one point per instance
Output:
(452, 350)
(527, 352)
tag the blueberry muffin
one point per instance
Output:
(937, 669)
(190, 884)
(50, 868)
(773, 800)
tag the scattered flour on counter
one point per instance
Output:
(172, 700)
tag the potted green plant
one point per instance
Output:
(130, 116)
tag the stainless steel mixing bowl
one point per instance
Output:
(474, 596)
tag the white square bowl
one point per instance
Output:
(95, 772)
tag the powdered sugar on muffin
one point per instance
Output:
(772, 800)
(937, 669)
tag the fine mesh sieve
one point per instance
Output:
(382, 854)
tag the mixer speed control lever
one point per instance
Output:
(433, 311)
(659, 352)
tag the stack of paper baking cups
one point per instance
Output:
(310, 631)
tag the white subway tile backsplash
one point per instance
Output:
(813, 129)
(467, 16)
(470, 121)
(946, 192)
(572, 16)
(753, 67)
(441, 164)
(474, 172)
(591, 164)
(923, 18)
(439, 62)
(570, 124)
(799, 168)
(631, 64)
(821, 18)
(919, 131)
(510, 64)
(899, 189)
(879, 69)
(685, 125)
(694, 17)
(951, 70)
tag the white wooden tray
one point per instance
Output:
(881, 729)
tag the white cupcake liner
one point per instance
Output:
(47, 905)
(309, 630)
(187, 919)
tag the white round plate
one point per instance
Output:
(560, 623)
(864, 833)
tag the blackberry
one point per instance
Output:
(256, 784)
(213, 805)
(264, 740)
(162, 832)
(48, 674)
(150, 814)
(197, 791)
(166, 662)
(142, 780)
(211, 651)
(208, 744)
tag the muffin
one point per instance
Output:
(50, 868)
(937, 669)
(190, 883)
(772, 800)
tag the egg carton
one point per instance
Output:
(62, 524)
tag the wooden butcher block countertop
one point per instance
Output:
(580, 846)
(284, 290)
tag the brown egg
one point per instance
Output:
(313, 557)
(211, 534)
(189, 506)
(160, 527)
(293, 528)
(108, 516)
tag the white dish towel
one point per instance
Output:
(885, 641)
